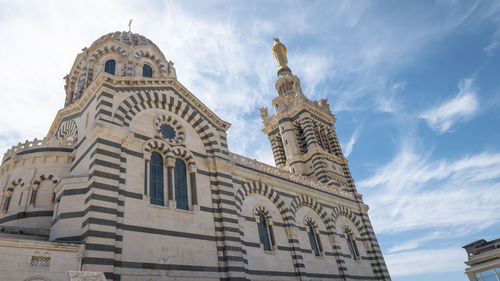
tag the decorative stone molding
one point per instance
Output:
(187, 156)
(17, 182)
(309, 220)
(263, 189)
(145, 53)
(344, 211)
(37, 144)
(169, 153)
(259, 209)
(157, 145)
(103, 77)
(305, 200)
(299, 179)
(44, 177)
(174, 124)
(68, 130)
(97, 54)
(86, 276)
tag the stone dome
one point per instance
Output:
(127, 38)
(121, 54)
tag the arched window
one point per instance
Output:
(265, 232)
(109, 67)
(6, 203)
(351, 243)
(301, 137)
(147, 71)
(156, 179)
(181, 190)
(15, 199)
(44, 194)
(314, 240)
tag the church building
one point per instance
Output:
(135, 180)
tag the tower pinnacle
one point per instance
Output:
(301, 131)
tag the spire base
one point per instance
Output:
(284, 71)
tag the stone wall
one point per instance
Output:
(23, 258)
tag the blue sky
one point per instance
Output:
(415, 86)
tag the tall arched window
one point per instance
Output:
(314, 240)
(147, 71)
(43, 194)
(156, 179)
(109, 67)
(351, 243)
(265, 232)
(181, 190)
(6, 203)
(15, 199)
(301, 137)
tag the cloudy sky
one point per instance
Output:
(415, 87)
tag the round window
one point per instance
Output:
(167, 131)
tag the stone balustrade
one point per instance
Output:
(37, 144)
(254, 164)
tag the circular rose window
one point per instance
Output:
(169, 129)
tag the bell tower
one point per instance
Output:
(302, 132)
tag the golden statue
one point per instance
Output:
(129, 25)
(279, 53)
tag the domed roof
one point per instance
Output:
(127, 38)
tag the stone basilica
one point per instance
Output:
(135, 181)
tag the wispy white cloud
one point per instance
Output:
(439, 260)
(417, 194)
(347, 148)
(491, 48)
(414, 243)
(459, 109)
(223, 58)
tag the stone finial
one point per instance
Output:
(323, 103)
(264, 113)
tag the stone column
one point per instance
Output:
(228, 239)
(101, 235)
(334, 142)
(194, 197)
(319, 165)
(170, 163)
(278, 150)
(297, 258)
(33, 195)
(6, 201)
(308, 127)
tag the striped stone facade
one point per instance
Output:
(97, 158)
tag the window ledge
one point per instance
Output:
(172, 206)
(159, 206)
(190, 211)
(269, 252)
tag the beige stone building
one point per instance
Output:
(135, 179)
(483, 260)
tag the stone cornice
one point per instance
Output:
(484, 257)
(37, 144)
(71, 180)
(131, 82)
(271, 122)
(247, 162)
(15, 242)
